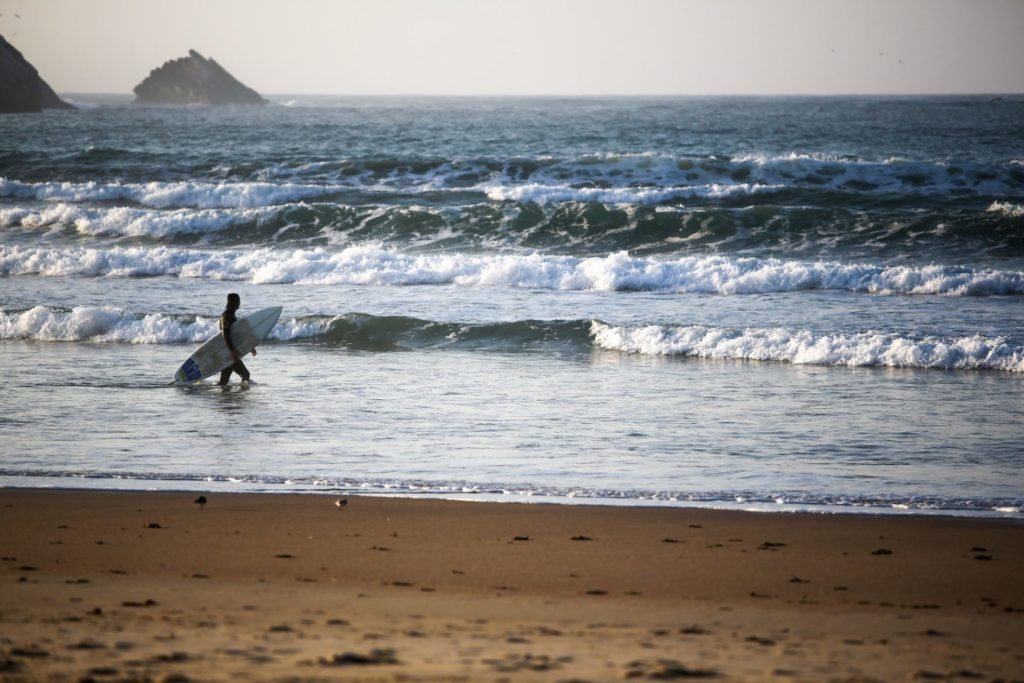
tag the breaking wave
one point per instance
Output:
(803, 347)
(359, 331)
(115, 325)
(610, 178)
(131, 222)
(596, 226)
(101, 324)
(164, 195)
(108, 324)
(379, 265)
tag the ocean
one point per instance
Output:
(775, 304)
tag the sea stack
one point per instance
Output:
(21, 88)
(194, 80)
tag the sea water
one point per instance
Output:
(765, 303)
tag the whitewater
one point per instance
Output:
(765, 303)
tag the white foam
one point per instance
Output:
(375, 265)
(103, 324)
(130, 222)
(552, 194)
(164, 195)
(1007, 209)
(804, 347)
(111, 324)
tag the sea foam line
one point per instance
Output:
(376, 265)
(881, 503)
(803, 347)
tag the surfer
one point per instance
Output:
(227, 319)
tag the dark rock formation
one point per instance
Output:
(21, 88)
(194, 80)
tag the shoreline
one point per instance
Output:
(1012, 515)
(150, 585)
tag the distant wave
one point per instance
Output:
(645, 179)
(589, 221)
(377, 265)
(360, 331)
(868, 349)
(636, 179)
(662, 175)
(540, 193)
(164, 195)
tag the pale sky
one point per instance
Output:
(534, 47)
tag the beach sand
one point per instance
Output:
(111, 586)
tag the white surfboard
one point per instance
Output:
(214, 355)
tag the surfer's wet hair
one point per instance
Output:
(234, 300)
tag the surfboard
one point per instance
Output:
(214, 355)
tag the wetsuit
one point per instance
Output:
(227, 319)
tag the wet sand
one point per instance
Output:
(134, 586)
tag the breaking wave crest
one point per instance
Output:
(803, 347)
(112, 324)
(131, 222)
(378, 265)
(164, 195)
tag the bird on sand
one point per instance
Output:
(341, 502)
(201, 502)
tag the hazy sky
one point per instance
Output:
(534, 46)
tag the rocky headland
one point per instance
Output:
(21, 88)
(194, 80)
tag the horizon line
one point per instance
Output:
(605, 95)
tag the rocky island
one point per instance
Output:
(21, 88)
(194, 80)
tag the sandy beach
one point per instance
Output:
(152, 586)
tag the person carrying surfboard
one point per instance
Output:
(227, 319)
(223, 351)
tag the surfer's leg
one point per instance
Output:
(242, 371)
(225, 375)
